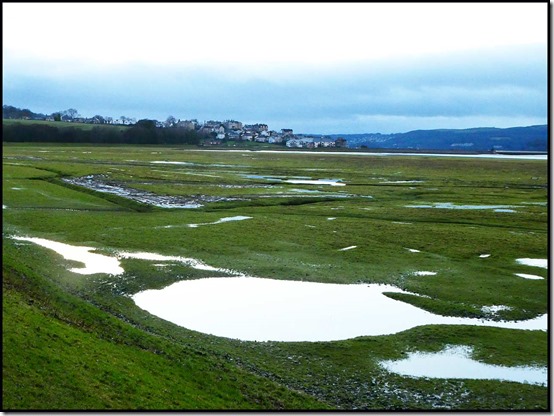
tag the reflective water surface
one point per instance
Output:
(256, 309)
(456, 362)
(93, 263)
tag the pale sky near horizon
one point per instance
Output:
(314, 67)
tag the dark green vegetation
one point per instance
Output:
(143, 132)
(73, 341)
(531, 138)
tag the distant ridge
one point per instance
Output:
(530, 138)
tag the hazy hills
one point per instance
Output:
(531, 138)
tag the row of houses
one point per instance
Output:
(237, 131)
(314, 142)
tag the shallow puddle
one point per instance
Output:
(399, 182)
(534, 262)
(425, 273)
(295, 311)
(456, 362)
(222, 220)
(449, 205)
(305, 180)
(529, 276)
(332, 182)
(347, 248)
(93, 263)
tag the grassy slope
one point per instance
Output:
(62, 353)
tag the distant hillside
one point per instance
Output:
(11, 112)
(532, 138)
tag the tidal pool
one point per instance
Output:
(455, 362)
(258, 309)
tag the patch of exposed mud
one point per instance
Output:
(101, 184)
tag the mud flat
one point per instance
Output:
(96, 183)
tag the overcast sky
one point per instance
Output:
(313, 67)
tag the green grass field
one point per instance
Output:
(62, 124)
(74, 342)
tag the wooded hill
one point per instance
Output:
(531, 138)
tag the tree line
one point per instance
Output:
(143, 132)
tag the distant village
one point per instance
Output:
(216, 132)
(232, 130)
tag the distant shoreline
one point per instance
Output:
(365, 152)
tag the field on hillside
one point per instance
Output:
(446, 231)
(62, 124)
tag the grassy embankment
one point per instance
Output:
(89, 337)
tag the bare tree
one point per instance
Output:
(170, 121)
(71, 113)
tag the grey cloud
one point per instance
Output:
(511, 82)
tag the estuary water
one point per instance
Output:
(389, 154)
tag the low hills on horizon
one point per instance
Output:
(530, 138)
